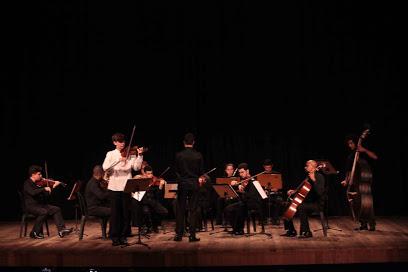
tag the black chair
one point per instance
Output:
(251, 216)
(84, 217)
(25, 217)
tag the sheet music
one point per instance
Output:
(138, 195)
(260, 189)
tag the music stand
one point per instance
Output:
(327, 169)
(135, 186)
(226, 180)
(270, 181)
(72, 196)
(170, 190)
(227, 192)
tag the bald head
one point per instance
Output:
(98, 172)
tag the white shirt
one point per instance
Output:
(122, 171)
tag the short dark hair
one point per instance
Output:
(189, 138)
(34, 169)
(148, 168)
(268, 162)
(352, 137)
(118, 137)
(243, 165)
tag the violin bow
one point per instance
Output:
(130, 142)
(164, 172)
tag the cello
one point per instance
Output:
(301, 192)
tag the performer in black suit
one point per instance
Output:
(189, 166)
(35, 197)
(97, 195)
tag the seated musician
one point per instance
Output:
(312, 202)
(205, 193)
(97, 195)
(250, 199)
(275, 195)
(35, 197)
(151, 202)
(229, 171)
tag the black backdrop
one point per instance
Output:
(285, 81)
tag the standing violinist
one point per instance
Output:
(150, 204)
(312, 203)
(35, 197)
(120, 164)
(363, 174)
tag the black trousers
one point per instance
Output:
(150, 207)
(42, 212)
(99, 211)
(187, 194)
(303, 211)
(120, 215)
(235, 214)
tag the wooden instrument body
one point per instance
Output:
(297, 200)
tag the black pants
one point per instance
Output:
(187, 194)
(42, 212)
(303, 211)
(235, 214)
(151, 208)
(120, 215)
(99, 211)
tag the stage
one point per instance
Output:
(388, 244)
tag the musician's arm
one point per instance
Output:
(107, 162)
(369, 153)
(137, 163)
(30, 190)
(98, 191)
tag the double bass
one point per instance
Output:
(359, 184)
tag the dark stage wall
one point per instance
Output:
(286, 81)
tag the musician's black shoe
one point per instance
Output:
(123, 242)
(239, 232)
(115, 242)
(193, 239)
(64, 232)
(35, 235)
(289, 233)
(306, 234)
(362, 227)
(178, 238)
(372, 228)
(155, 229)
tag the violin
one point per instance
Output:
(155, 181)
(132, 151)
(44, 182)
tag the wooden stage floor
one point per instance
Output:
(388, 244)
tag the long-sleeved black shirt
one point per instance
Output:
(33, 194)
(317, 192)
(189, 165)
(95, 195)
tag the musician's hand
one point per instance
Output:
(344, 183)
(162, 183)
(274, 189)
(361, 149)
(56, 183)
(290, 192)
(233, 182)
(48, 189)
(241, 188)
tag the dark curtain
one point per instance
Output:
(285, 81)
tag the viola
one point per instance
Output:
(48, 183)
